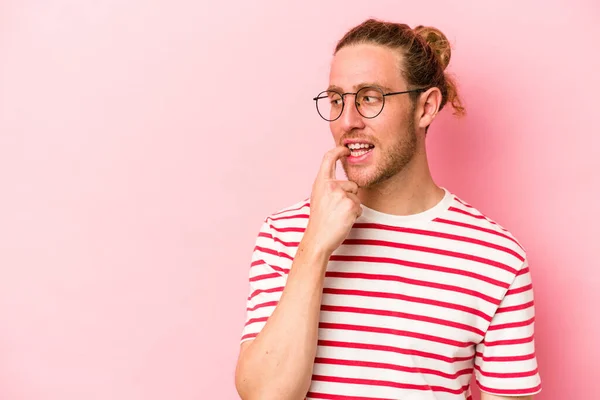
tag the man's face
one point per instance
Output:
(391, 136)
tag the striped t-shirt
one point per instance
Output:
(413, 306)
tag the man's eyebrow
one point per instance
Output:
(359, 86)
(335, 88)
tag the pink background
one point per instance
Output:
(143, 142)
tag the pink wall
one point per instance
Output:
(142, 143)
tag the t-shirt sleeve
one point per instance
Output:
(505, 361)
(266, 282)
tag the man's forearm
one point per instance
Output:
(278, 364)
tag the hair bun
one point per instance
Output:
(437, 41)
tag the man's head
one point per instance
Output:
(386, 128)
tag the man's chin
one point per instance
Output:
(367, 178)
(362, 178)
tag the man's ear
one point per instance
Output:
(428, 106)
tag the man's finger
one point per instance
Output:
(349, 186)
(357, 201)
(327, 170)
(354, 197)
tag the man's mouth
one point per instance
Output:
(359, 149)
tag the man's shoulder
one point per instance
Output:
(465, 214)
(295, 214)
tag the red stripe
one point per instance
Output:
(515, 308)
(481, 216)
(519, 290)
(283, 271)
(419, 265)
(512, 325)
(398, 314)
(523, 271)
(253, 320)
(455, 254)
(524, 374)
(299, 216)
(374, 382)
(276, 239)
(509, 342)
(273, 252)
(306, 204)
(478, 228)
(269, 290)
(458, 210)
(257, 262)
(392, 349)
(290, 229)
(263, 277)
(262, 305)
(328, 396)
(439, 235)
(451, 288)
(286, 244)
(505, 358)
(393, 367)
(412, 299)
(463, 203)
(249, 336)
(484, 216)
(521, 392)
(397, 332)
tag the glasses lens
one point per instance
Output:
(369, 101)
(329, 105)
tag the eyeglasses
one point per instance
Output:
(369, 102)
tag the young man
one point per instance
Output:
(385, 285)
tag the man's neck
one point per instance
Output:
(411, 191)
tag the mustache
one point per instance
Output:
(369, 139)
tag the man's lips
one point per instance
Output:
(359, 150)
(359, 147)
(348, 142)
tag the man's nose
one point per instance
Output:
(351, 118)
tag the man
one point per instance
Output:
(385, 285)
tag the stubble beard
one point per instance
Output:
(391, 161)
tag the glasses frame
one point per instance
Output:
(343, 97)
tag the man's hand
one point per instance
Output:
(334, 205)
(278, 364)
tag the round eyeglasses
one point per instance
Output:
(369, 102)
